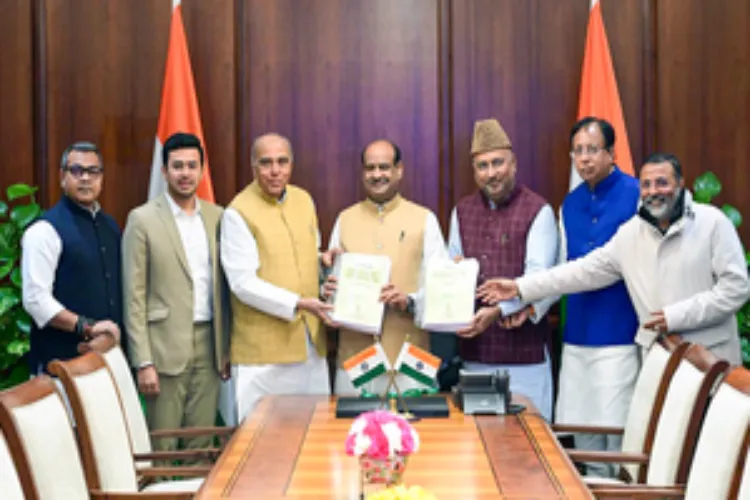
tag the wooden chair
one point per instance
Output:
(137, 427)
(44, 455)
(721, 455)
(645, 407)
(678, 424)
(108, 459)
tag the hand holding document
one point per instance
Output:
(449, 290)
(360, 279)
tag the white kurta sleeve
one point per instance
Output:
(730, 291)
(455, 249)
(42, 248)
(240, 261)
(542, 244)
(596, 270)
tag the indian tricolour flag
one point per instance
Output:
(367, 365)
(417, 364)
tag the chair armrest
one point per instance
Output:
(157, 495)
(588, 429)
(193, 431)
(636, 491)
(607, 456)
(191, 471)
(204, 453)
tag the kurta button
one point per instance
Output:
(111, 302)
(594, 220)
(104, 249)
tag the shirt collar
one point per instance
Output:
(604, 185)
(93, 210)
(177, 210)
(383, 208)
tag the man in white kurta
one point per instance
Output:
(682, 263)
(269, 251)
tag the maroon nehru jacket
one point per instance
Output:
(497, 239)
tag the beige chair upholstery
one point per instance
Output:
(648, 397)
(683, 397)
(105, 442)
(719, 445)
(10, 483)
(137, 427)
(39, 425)
(721, 456)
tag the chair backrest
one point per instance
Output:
(38, 433)
(682, 414)
(10, 483)
(723, 442)
(118, 365)
(648, 399)
(105, 443)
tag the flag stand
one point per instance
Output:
(391, 402)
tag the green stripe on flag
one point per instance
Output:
(415, 374)
(368, 376)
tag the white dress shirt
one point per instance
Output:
(541, 253)
(195, 243)
(240, 260)
(41, 250)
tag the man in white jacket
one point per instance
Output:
(682, 263)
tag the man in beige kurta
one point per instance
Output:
(385, 223)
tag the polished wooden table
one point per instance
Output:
(293, 447)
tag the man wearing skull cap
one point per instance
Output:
(510, 230)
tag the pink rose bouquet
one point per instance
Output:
(381, 435)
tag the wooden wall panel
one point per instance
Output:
(104, 81)
(16, 93)
(335, 75)
(703, 81)
(210, 30)
(104, 72)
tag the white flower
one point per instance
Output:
(361, 444)
(393, 434)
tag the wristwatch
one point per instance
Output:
(82, 324)
(410, 305)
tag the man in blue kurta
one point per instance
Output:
(599, 359)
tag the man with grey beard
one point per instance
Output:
(682, 263)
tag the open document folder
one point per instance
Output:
(449, 290)
(356, 305)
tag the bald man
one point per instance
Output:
(409, 234)
(269, 252)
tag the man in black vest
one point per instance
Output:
(71, 264)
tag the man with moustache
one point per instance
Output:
(175, 304)
(387, 224)
(70, 264)
(599, 362)
(510, 230)
(270, 242)
(682, 263)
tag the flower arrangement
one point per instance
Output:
(381, 435)
(382, 440)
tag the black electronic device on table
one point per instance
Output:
(485, 394)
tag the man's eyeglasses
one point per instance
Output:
(590, 150)
(77, 171)
(484, 165)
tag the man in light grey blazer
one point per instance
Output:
(176, 308)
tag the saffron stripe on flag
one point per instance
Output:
(424, 356)
(416, 375)
(368, 376)
(361, 356)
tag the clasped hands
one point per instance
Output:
(491, 292)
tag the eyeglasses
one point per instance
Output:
(77, 171)
(591, 150)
